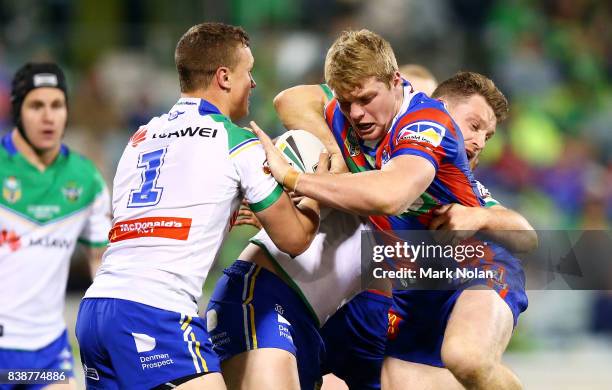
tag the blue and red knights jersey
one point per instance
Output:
(423, 128)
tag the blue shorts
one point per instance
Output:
(130, 345)
(355, 338)
(55, 356)
(253, 308)
(418, 318)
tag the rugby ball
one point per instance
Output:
(301, 149)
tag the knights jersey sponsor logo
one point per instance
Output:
(422, 132)
(163, 227)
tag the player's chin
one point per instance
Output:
(371, 134)
(46, 144)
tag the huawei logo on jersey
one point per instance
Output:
(11, 239)
(163, 227)
(138, 136)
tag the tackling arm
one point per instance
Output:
(302, 107)
(389, 191)
(369, 193)
(503, 225)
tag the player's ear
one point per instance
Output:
(223, 78)
(397, 79)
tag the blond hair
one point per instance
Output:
(356, 56)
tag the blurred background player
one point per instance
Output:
(51, 198)
(176, 192)
(421, 79)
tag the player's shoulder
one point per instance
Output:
(83, 169)
(7, 147)
(425, 108)
(425, 119)
(236, 135)
(78, 161)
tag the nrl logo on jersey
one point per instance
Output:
(352, 143)
(11, 189)
(72, 192)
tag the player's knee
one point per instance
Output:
(468, 363)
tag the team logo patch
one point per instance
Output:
(11, 189)
(352, 143)
(138, 136)
(144, 342)
(91, 373)
(175, 114)
(385, 157)
(72, 192)
(423, 131)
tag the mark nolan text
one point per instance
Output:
(429, 273)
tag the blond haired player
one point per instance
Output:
(392, 138)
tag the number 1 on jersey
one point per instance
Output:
(148, 194)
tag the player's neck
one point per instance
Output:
(399, 100)
(217, 98)
(41, 159)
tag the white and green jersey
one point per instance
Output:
(176, 192)
(329, 272)
(42, 216)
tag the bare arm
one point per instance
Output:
(94, 257)
(510, 228)
(302, 107)
(368, 193)
(291, 228)
(389, 191)
(503, 225)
